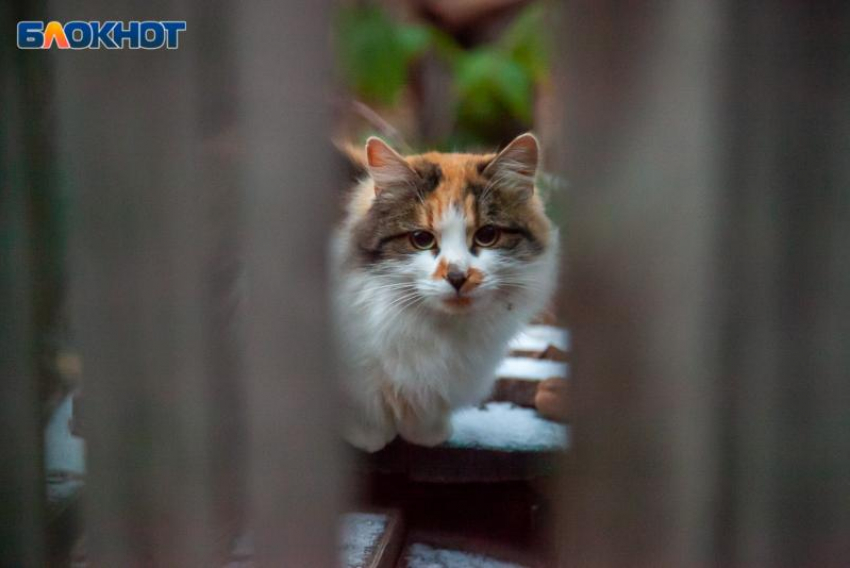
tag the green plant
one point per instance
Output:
(493, 83)
(375, 52)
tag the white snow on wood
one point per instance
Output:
(361, 533)
(507, 427)
(531, 369)
(424, 556)
(63, 451)
(539, 337)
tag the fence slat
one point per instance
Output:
(284, 62)
(706, 146)
(22, 482)
(145, 256)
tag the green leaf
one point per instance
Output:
(445, 46)
(490, 83)
(413, 39)
(375, 52)
(528, 42)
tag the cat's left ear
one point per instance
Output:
(516, 165)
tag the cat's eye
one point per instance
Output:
(423, 240)
(486, 236)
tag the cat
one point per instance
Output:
(441, 259)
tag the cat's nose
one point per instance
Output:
(456, 278)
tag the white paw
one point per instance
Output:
(369, 438)
(430, 434)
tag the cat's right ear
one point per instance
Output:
(386, 166)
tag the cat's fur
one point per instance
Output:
(413, 346)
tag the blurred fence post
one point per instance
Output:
(22, 482)
(181, 163)
(153, 253)
(293, 195)
(709, 274)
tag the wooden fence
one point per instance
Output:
(707, 267)
(709, 283)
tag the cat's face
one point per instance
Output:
(452, 232)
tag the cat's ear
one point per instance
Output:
(386, 166)
(516, 165)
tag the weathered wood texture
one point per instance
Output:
(709, 278)
(144, 261)
(182, 163)
(22, 515)
(291, 185)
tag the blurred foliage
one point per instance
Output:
(376, 52)
(493, 83)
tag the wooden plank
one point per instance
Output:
(22, 516)
(538, 353)
(518, 391)
(462, 465)
(510, 521)
(497, 441)
(145, 258)
(709, 284)
(388, 550)
(372, 538)
(640, 154)
(291, 191)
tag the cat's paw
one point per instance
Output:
(369, 439)
(430, 434)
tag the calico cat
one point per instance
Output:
(440, 261)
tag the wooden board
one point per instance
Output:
(387, 546)
(458, 465)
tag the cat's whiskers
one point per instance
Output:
(392, 286)
(416, 300)
(401, 309)
(399, 300)
(373, 293)
(516, 283)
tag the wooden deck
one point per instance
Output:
(482, 498)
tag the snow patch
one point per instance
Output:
(424, 556)
(539, 337)
(63, 450)
(507, 427)
(361, 533)
(531, 369)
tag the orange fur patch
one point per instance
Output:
(473, 278)
(460, 301)
(458, 172)
(442, 270)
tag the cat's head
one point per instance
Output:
(452, 232)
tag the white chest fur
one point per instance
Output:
(396, 349)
